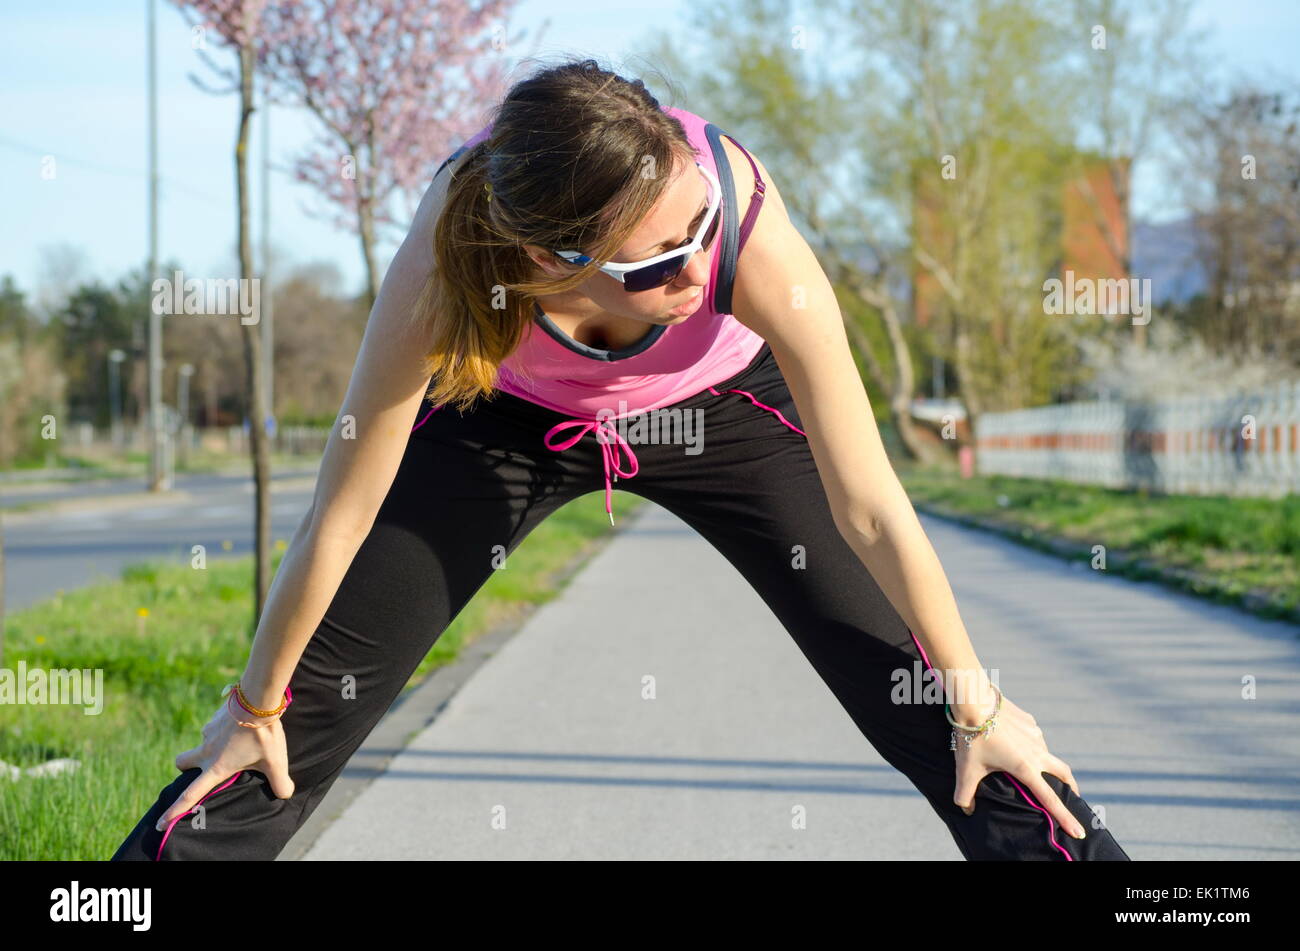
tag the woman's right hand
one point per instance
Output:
(227, 749)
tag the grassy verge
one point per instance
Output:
(135, 465)
(167, 638)
(207, 462)
(1241, 551)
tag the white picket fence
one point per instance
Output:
(1223, 443)
(299, 440)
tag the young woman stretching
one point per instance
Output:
(571, 270)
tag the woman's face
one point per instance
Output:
(672, 221)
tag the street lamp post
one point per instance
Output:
(186, 371)
(115, 358)
(159, 476)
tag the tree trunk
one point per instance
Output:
(366, 229)
(876, 294)
(366, 216)
(253, 351)
(902, 387)
(966, 383)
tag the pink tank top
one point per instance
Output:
(669, 364)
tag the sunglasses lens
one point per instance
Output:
(713, 230)
(656, 275)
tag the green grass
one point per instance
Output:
(87, 468)
(136, 466)
(201, 462)
(1238, 546)
(163, 673)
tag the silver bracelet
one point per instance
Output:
(970, 732)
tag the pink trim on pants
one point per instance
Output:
(158, 857)
(1051, 826)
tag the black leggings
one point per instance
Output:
(471, 482)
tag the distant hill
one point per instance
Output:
(1166, 253)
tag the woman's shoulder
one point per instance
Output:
(746, 177)
(747, 173)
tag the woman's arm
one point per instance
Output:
(383, 395)
(866, 499)
(355, 475)
(870, 508)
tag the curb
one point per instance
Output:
(419, 706)
(36, 511)
(16, 488)
(39, 511)
(1259, 602)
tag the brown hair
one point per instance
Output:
(576, 158)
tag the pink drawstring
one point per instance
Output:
(772, 409)
(608, 450)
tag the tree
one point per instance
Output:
(63, 266)
(395, 84)
(965, 118)
(316, 344)
(935, 147)
(1242, 148)
(235, 25)
(93, 321)
(761, 83)
(28, 381)
(917, 87)
(1140, 54)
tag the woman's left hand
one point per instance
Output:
(1015, 746)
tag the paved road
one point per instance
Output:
(552, 732)
(91, 534)
(15, 495)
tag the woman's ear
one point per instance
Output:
(548, 261)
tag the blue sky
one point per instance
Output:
(72, 85)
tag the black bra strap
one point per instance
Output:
(729, 250)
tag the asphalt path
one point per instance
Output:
(89, 533)
(551, 749)
(1176, 715)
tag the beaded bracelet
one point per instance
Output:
(251, 726)
(970, 732)
(243, 701)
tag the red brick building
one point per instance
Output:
(1093, 238)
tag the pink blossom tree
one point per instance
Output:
(395, 84)
(235, 25)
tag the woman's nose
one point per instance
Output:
(696, 271)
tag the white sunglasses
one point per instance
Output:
(662, 268)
